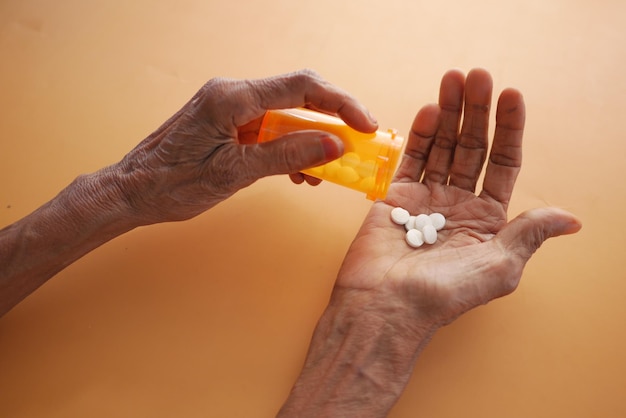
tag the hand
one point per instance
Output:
(390, 299)
(207, 151)
(478, 255)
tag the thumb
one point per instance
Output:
(525, 234)
(292, 153)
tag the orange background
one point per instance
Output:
(212, 317)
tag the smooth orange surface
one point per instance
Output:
(212, 317)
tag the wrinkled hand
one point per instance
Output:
(479, 256)
(207, 151)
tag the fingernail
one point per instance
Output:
(333, 147)
(372, 118)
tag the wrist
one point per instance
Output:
(361, 357)
(84, 215)
(380, 319)
(99, 201)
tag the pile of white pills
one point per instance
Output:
(420, 229)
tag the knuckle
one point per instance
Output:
(446, 141)
(216, 82)
(291, 157)
(477, 107)
(308, 74)
(215, 89)
(307, 80)
(206, 92)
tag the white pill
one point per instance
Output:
(400, 216)
(438, 220)
(421, 221)
(430, 234)
(414, 238)
(410, 224)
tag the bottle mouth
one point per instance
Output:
(387, 162)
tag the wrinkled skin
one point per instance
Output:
(207, 151)
(479, 256)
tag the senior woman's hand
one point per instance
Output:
(389, 298)
(199, 157)
(208, 150)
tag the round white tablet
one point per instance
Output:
(430, 234)
(400, 216)
(414, 238)
(422, 220)
(438, 220)
(410, 224)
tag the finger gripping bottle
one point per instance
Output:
(369, 161)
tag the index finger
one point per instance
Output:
(304, 88)
(505, 158)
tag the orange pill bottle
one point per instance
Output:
(369, 160)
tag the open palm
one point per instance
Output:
(478, 255)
